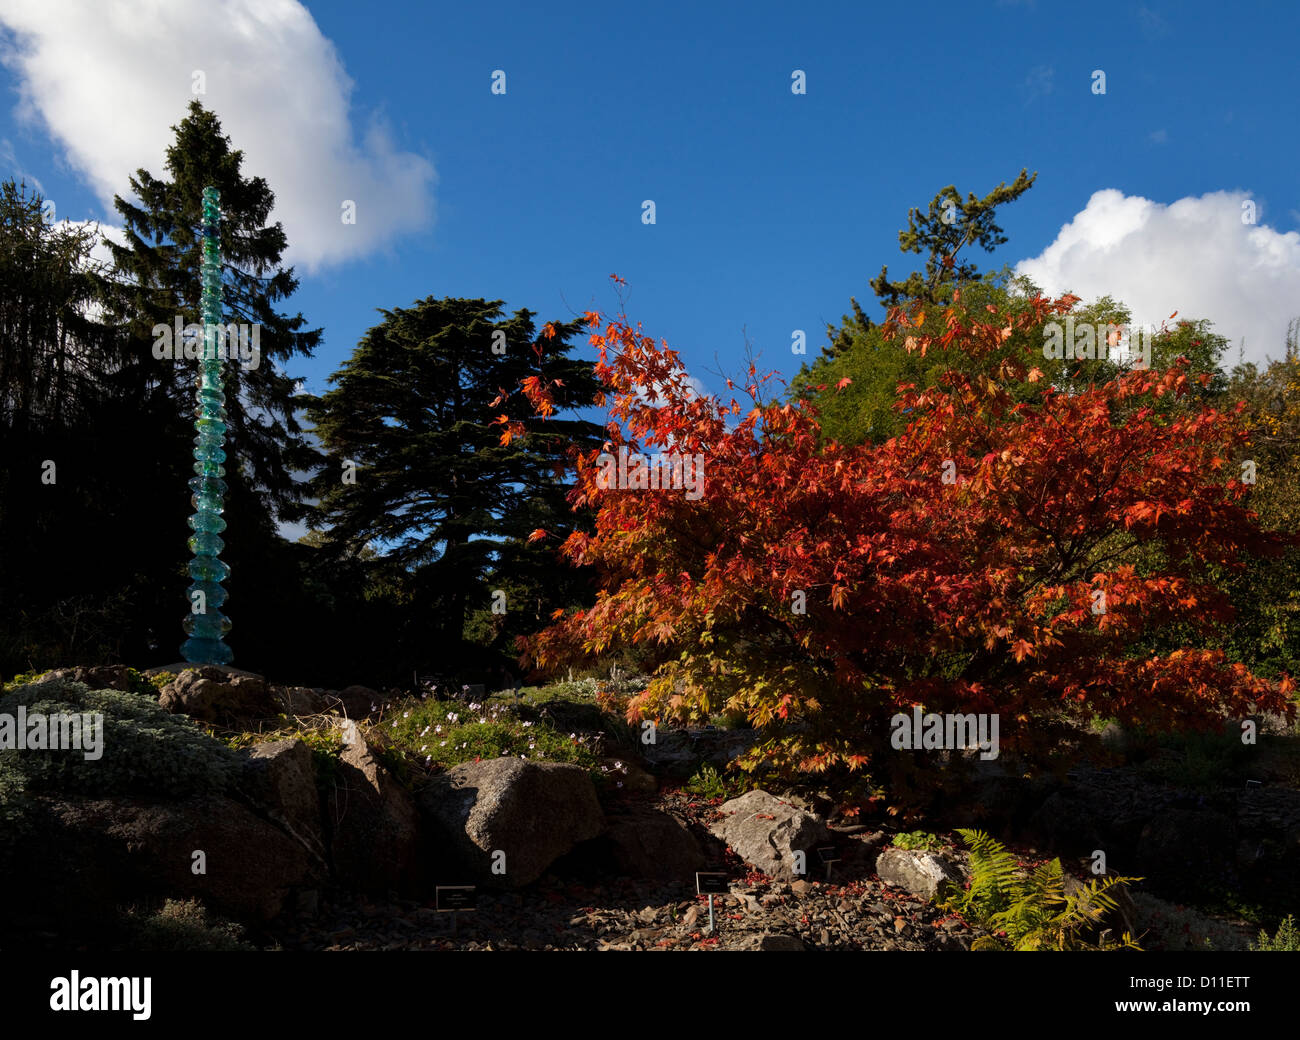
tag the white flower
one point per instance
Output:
(427, 758)
(531, 745)
(527, 724)
(426, 730)
(406, 714)
(443, 744)
(436, 729)
(475, 707)
(452, 717)
(424, 747)
(481, 720)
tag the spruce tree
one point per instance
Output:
(155, 282)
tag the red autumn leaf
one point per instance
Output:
(814, 582)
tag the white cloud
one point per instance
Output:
(107, 81)
(1193, 256)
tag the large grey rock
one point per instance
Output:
(654, 846)
(279, 778)
(373, 824)
(129, 849)
(97, 677)
(300, 700)
(766, 832)
(924, 874)
(533, 812)
(215, 695)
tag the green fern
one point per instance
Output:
(1033, 908)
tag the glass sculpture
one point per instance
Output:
(206, 625)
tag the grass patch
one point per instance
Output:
(436, 735)
(182, 925)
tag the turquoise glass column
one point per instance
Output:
(206, 625)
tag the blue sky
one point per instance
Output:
(772, 208)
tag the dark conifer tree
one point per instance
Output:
(419, 470)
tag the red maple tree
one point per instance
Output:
(821, 588)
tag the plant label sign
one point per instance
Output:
(829, 856)
(711, 884)
(455, 897)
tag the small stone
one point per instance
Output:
(801, 887)
(780, 943)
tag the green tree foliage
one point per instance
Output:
(156, 279)
(1266, 593)
(59, 590)
(447, 498)
(97, 567)
(854, 381)
(943, 231)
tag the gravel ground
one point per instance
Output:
(629, 915)
(853, 911)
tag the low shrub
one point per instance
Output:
(182, 925)
(919, 840)
(145, 749)
(1287, 937)
(708, 783)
